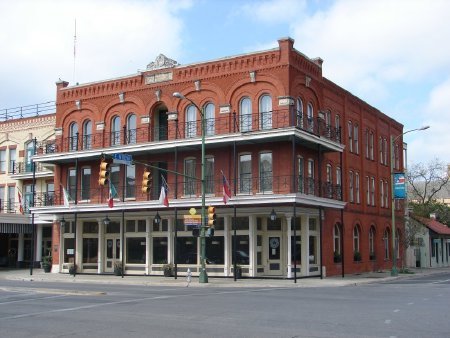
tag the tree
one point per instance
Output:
(425, 182)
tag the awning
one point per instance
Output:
(15, 228)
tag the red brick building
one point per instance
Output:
(307, 164)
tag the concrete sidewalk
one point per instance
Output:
(336, 281)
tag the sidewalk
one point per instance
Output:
(335, 281)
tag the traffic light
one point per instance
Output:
(146, 181)
(103, 175)
(211, 217)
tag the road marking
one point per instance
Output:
(441, 281)
(137, 300)
(387, 321)
(396, 310)
(425, 299)
(410, 303)
(31, 299)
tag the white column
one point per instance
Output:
(79, 246)
(170, 244)
(289, 250)
(148, 257)
(305, 244)
(20, 248)
(101, 246)
(38, 252)
(227, 245)
(252, 245)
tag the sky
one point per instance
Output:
(393, 54)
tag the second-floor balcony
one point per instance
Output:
(191, 189)
(17, 168)
(176, 130)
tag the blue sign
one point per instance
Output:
(399, 185)
(122, 158)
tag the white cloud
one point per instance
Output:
(378, 41)
(275, 11)
(114, 38)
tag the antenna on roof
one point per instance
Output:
(74, 49)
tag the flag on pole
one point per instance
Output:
(163, 196)
(66, 198)
(226, 189)
(20, 202)
(112, 194)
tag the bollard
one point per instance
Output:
(188, 277)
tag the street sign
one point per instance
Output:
(122, 159)
(193, 220)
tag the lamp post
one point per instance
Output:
(394, 271)
(203, 277)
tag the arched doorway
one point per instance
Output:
(160, 130)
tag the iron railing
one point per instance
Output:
(250, 186)
(232, 123)
(28, 111)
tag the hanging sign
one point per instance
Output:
(399, 185)
(193, 220)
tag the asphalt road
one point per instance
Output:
(414, 307)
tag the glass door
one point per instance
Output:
(274, 263)
(112, 248)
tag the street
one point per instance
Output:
(412, 307)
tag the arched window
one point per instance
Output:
(299, 113)
(336, 241)
(356, 248)
(245, 114)
(310, 116)
(191, 123)
(87, 134)
(301, 175)
(265, 112)
(131, 129)
(115, 131)
(73, 136)
(329, 183)
(30, 151)
(372, 243)
(386, 244)
(337, 123)
(210, 118)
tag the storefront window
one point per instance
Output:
(186, 250)
(90, 250)
(215, 250)
(242, 249)
(159, 250)
(296, 250)
(136, 250)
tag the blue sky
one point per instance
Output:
(394, 55)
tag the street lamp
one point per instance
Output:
(394, 271)
(203, 277)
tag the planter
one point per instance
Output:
(168, 270)
(47, 267)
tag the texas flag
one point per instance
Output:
(163, 196)
(226, 190)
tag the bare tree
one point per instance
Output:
(425, 181)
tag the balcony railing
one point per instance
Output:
(27, 111)
(24, 167)
(250, 186)
(232, 123)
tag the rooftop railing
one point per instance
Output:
(32, 110)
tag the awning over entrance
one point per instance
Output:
(15, 228)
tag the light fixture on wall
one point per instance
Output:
(106, 220)
(273, 215)
(62, 222)
(157, 219)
